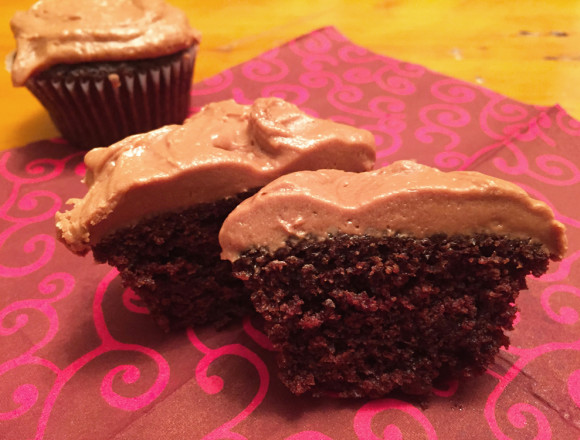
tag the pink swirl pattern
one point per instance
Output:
(516, 413)
(267, 69)
(26, 395)
(214, 384)
(566, 315)
(450, 391)
(446, 118)
(564, 269)
(18, 203)
(130, 372)
(257, 336)
(76, 343)
(453, 91)
(132, 302)
(314, 52)
(500, 117)
(363, 419)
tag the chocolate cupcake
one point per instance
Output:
(106, 69)
(389, 279)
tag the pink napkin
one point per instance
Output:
(81, 359)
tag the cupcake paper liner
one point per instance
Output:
(98, 104)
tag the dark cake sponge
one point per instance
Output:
(172, 262)
(354, 316)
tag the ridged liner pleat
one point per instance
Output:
(91, 108)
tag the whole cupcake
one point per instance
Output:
(105, 69)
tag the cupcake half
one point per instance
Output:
(389, 279)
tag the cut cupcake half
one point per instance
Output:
(388, 279)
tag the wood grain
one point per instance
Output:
(528, 50)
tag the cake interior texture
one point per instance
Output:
(354, 315)
(172, 261)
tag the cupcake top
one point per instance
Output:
(403, 198)
(53, 32)
(225, 149)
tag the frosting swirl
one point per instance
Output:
(53, 32)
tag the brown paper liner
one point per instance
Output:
(97, 104)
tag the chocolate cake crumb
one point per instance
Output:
(172, 261)
(354, 316)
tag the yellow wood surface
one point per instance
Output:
(526, 49)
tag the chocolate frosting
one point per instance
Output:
(404, 198)
(73, 31)
(225, 149)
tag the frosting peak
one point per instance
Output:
(225, 149)
(73, 31)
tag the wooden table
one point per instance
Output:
(528, 50)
